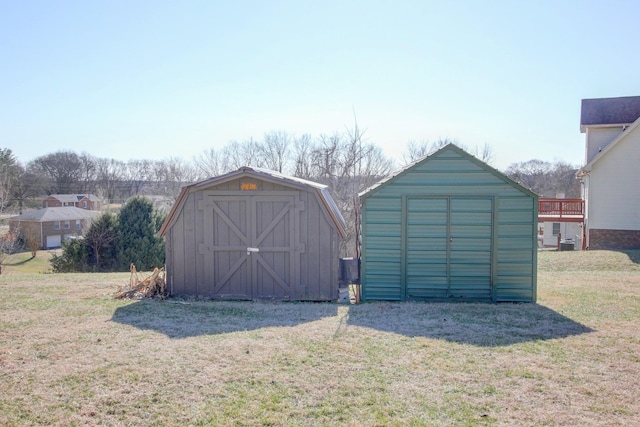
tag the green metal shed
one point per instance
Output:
(449, 227)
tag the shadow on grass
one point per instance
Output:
(633, 254)
(479, 324)
(24, 261)
(182, 319)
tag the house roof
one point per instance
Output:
(609, 111)
(64, 213)
(461, 152)
(73, 198)
(587, 168)
(268, 175)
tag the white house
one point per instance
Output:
(611, 174)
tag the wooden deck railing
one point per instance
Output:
(561, 210)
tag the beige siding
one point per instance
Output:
(614, 187)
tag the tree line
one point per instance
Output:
(346, 162)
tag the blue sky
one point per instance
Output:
(156, 79)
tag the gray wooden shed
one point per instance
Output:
(449, 227)
(254, 234)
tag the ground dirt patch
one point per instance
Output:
(70, 354)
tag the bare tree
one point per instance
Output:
(110, 176)
(62, 171)
(247, 153)
(8, 170)
(136, 174)
(31, 238)
(484, 153)
(302, 149)
(415, 150)
(102, 235)
(87, 175)
(210, 163)
(274, 150)
(545, 178)
(26, 186)
(172, 174)
(347, 164)
(8, 246)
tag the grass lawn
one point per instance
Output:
(23, 263)
(70, 354)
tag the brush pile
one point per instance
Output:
(149, 287)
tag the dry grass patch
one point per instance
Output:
(70, 354)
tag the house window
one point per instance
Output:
(556, 228)
(78, 225)
(56, 225)
(67, 225)
(84, 204)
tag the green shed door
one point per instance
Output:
(448, 242)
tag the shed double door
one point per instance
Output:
(448, 247)
(251, 246)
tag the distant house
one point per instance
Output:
(560, 220)
(611, 175)
(53, 225)
(82, 201)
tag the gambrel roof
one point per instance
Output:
(321, 190)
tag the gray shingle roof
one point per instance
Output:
(74, 198)
(65, 213)
(609, 111)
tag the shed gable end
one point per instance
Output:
(449, 226)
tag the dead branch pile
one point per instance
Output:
(149, 287)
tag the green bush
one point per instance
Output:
(137, 239)
(113, 242)
(74, 257)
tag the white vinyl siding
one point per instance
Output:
(568, 230)
(598, 139)
(614, 187)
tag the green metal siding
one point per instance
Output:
(449, 227)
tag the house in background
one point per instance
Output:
(53, 225)
(82, 201)
(611, 175)
(560, 220)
